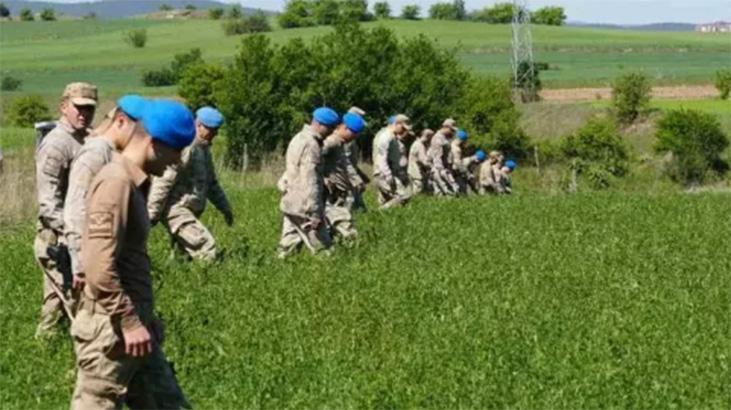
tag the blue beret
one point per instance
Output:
(480, 155)
(326, 116)
(133, 105)
(511, 164)
(392, 120)
(462, 135)
(169, 122)
(210, 117)
(354, 122)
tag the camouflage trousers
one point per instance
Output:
(190, 235)
(339, 216)
(107, 378)
(298, 231)
(419, 183)
(392, 193)
(443, 183)
(54, 297)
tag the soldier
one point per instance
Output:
(352, 152)
(443, 182)
(390, 162)
(456, 160)
(117, 338)
(302, 204)
(341, 178)
(419, 163)
(93, 155)
(179, 197)
(490, 173)
(504, 185)
(53, 160)
(471, 167)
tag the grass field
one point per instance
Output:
(46, 55)
(535, 301)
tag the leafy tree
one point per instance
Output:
(696, 142)
(136, 38)
(382, 10)
(198, 83)
(500, 13)
(411, 12)
(166, 7)
(258, 22)
(723, 83)
(552, 16)
(326, 12)
(190, 7)
(158, 78)
(215, 13)
(631, 96)
(90, 16)
(48, 14)
(355, 10)
(297, 13)
(4, 10)
(27, 110)
(442, 11)
(235, 12)
(183, 60)
(26, 15)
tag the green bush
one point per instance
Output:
(215, 13)
(597, 151)
(190, 7)
(10, 83)
(198, 83)
(528, 81)
(631, 96)
(26, 15)
(48, 14)
(166, 7)
(158, 78)
(695, 140)
(552, 16)
(136, 38)
(297, 13)
(4, 10)
(27, 110)
(182, 60)
(256, 23)
(723, 83)
(448, 11)
(382, 10)
(411, 12)
(500, 13)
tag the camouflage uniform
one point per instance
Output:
(389, 169)
(459, 171)
(419, 166)
(53, 161)
(302, 190)
(340, 178)
(352, 152)
(118, 296)
(443, 182)
(179, 197)
(489, 177)
(470, 168)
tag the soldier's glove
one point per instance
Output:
(229, 216)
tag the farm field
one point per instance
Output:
(94, 50)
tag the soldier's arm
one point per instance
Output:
(102, 242)
(383, 152)
(159, 192)
(309, 167)
(215, 192)
(353, 175)
(74, 213)
(50, 165)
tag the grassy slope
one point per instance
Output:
(530, 302)
(47, 55)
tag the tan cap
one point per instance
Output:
(450, 123)
(427, 133)
(357, 110)
(403, 119)
(81, 93)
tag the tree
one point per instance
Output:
(297, 13)
(190, 7)
(552, 16)
(696, 142)
(136, 38)
(166, 7)
(326, 12)
(460, 11)
(631, 96)
(235, 12)
(4, 10)
(355, 10)
(182, 61)
(411, 12)
(198, 82)
(27, 110)
(215, 13)
(382, 10)
(442, 11)
(500, 13)
(48, 14)
(26, 15)
(723, 83)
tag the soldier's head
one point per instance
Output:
(400, 124)
(164, 129)
(208, 121)
(426, 135)
(352, 125)
(462, 136)
(120, 123)
(509, 166)
(324, 120)
(356, 110)
(480, 155)
(494, 157)
(449, 127)
(78, 104)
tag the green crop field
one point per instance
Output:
(536, 301)
(46, 55)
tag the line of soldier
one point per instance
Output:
(323, 185)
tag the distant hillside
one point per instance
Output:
(113, 8)
(644, 27)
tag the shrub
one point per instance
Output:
(158, 78)
(235, 12)
(297, 13)
(27, 110)
(166, 7)
(355, 10)
(4, 10)
(500, 13)
(631, 96)
(528, 81)
(198, 83)
(448, 11)
(411, 12)
(215, 13)
(136, 38)
(256, 23)
(10, 83)
(552, 16)
(723, 83)
(233, 27)
(90, 16)
(382, 10)
(48, 14)
(695, 140)
(182, 60)
(190, 7)
(26, 15)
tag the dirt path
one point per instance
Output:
(683, 92)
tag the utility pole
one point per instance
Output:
(524, 71)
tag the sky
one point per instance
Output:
(593, 11)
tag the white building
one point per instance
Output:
(717, 27)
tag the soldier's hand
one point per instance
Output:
(315, 222)
(79, 281)
(137, 342)
(229, 216)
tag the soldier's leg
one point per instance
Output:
(155, 386)
(52, 307)
(197, 240)
(341, 220)
(359, 201)
(417, 185)
(291, 240)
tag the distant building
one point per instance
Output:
(717, 27)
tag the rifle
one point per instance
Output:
(60, 254)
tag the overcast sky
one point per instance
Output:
(594, 11)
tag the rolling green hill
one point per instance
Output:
(45, 55)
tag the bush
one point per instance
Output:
(500, 13)
(256, 23)
(631, 96)
(182, 60)
(89, 16)
(552, 16)
(215, 13)
(723, 83)
(27, 110)
(235, 12)
(528, 81)
(190, 7)
(355, 10)
(158, 78)
(411, 12)
(448, 11)
(4, 10)
(695, 140)
(198, 83)
(297, 13)
(166, 7)
(136, 38)
(382, 10)
(26, 15)
(597, 151)
(48, 14)
(10, 83)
